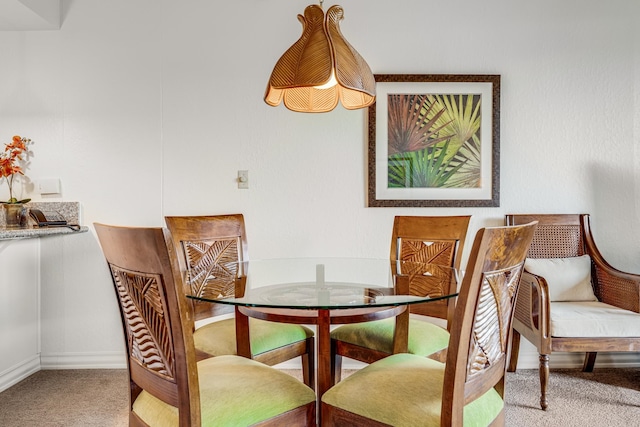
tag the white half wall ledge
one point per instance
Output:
(30, 15)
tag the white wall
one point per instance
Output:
(19, 311)
(148, 108)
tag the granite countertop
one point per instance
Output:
(69, 210)
(28, 233)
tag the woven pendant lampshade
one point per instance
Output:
(321, 68)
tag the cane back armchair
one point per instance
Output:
(571, 299)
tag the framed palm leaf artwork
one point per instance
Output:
(434, 140)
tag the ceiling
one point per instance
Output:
(17, 15)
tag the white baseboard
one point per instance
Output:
(528, 359)
(19, 372)
(89, 360)
(117, 360)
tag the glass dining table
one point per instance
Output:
(331, 291)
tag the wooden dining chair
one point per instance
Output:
(571, 298)
(410, 390)
(209, 248)
(168, 387)
(426, 239)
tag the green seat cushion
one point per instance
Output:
(219, 338)
(234, 391)
(425, 338)
(406, 390)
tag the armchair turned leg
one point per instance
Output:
(589, 361)
(515, 350)
(544, 380)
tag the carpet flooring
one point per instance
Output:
(98, 398)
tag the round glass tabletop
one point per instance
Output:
(326, 283)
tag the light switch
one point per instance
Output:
(243, 179)
(49, 186)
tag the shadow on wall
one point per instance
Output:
(615, 218)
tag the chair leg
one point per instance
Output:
(544, 380)
(515, 350)
(337, 369)
(589, 361)
(336, 364)
(308, 364)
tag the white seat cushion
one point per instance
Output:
(592, 319)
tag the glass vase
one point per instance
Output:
(15, 215)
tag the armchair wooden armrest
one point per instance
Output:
(537, 301)
(532, 314)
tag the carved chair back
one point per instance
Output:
(481, 330)
(161, 357)
(210, 246)
(435, 240)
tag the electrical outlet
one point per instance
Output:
(243, 179)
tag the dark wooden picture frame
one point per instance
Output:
(434, 141)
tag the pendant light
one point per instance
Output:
(321, 68)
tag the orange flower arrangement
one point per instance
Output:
(14, 153)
